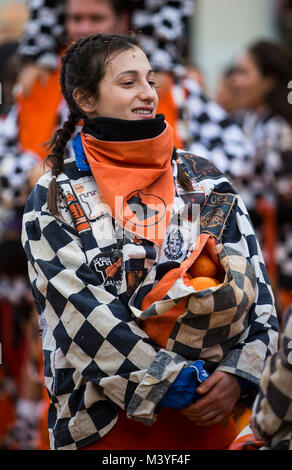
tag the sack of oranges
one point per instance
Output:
(204, 273)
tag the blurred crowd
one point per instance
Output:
(245, 130)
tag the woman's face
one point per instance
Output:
(127, 90)
(250, 85)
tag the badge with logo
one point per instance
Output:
(173, 251)
(143, 210)
(108, 267)
(216, 212)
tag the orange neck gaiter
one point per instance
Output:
(136, 181)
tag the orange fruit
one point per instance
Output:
(203, 266)
(187, 279)
(203, 282)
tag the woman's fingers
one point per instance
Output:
(209, 383)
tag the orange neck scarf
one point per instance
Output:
(136, 181)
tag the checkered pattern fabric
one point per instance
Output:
(97, 358)
(271, 138)
(272, 410)
(213, 319)
(161, 25)
(207, 130)
(44, 32)
(14, 164)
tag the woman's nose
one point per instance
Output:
(147, 92)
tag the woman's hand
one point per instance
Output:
(221, 392)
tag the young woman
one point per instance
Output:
(261, 80)
(110, 236)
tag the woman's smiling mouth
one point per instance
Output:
(144, 112)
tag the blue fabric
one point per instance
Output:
(80, 157)
(183, 391)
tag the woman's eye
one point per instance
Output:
(128, 83)
(152, 83)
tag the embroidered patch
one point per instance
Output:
(215, 213)
(193, 198)
(175, 241)
(108, 267)
(90, 197)
(80, 220)
(202, 168)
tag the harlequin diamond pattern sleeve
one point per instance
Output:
(260, 339)
(91, 327)
(272, 410)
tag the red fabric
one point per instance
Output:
(6, 409)
(171, 431)
(14, 356)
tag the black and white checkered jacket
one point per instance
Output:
(272, 410)
(97, 357)
(270, 177)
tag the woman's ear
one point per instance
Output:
(84, 102)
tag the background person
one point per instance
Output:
(261, 80)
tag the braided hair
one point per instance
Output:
(84, 66)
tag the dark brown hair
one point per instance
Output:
(274, 60)
(83, 66)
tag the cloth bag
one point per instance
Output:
(203, 324)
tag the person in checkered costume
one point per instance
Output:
(270, 426)
(260, 78)
(271, 417)
(95, 278)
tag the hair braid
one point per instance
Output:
(182, 177)
(56, 159)
(63, 135)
